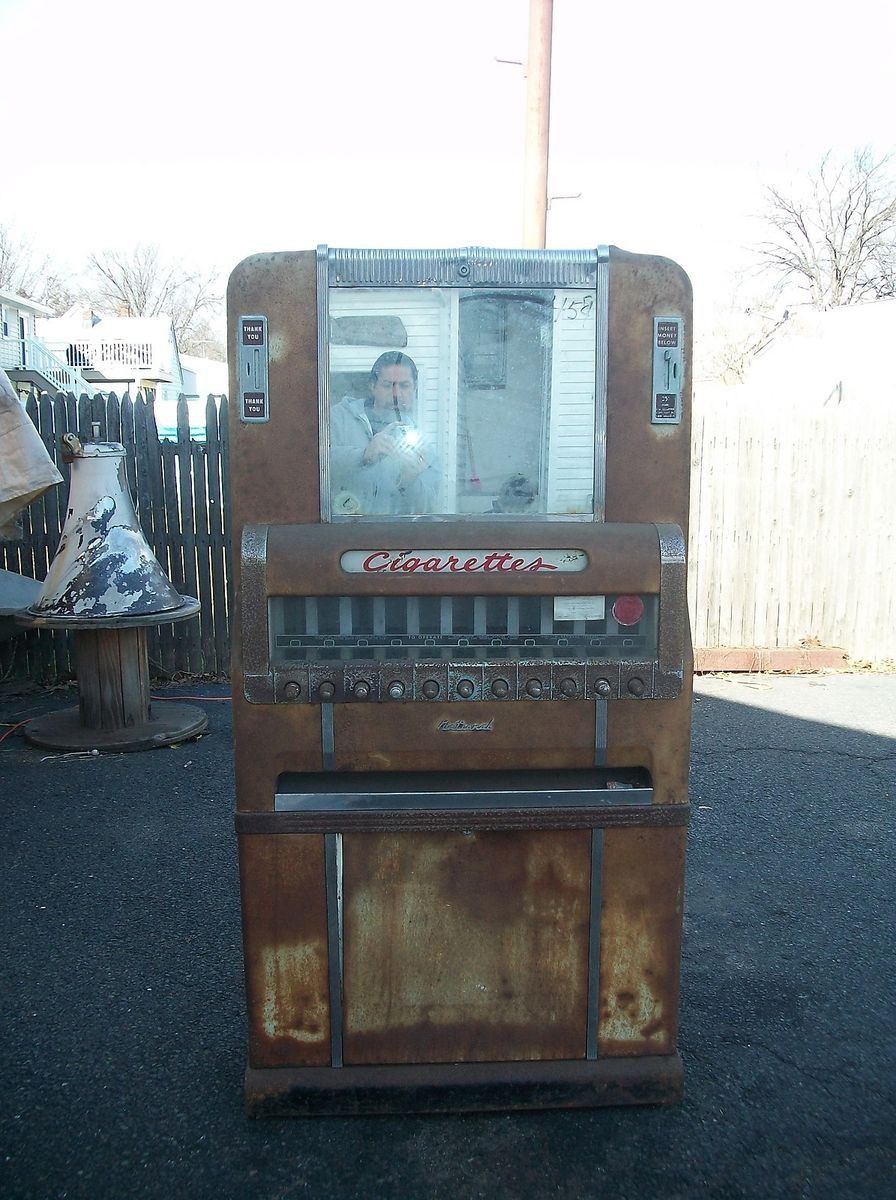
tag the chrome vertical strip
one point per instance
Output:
(547, 615)
(412, 615)
(446, 616)
(323, 377)
(311, 615)
(479, 621)
(600, 732)
(513, 616)
(379, 614)
(326, 735)
(600, 383)
(593, 1009)
(345, 615)
(333, 861)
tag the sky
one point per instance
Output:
(222, 129)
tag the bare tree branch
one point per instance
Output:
(141, 283)
(835, 242)
(24, 272)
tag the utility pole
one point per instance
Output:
(538, 123)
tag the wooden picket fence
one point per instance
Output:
(180, 491)
(792, 534)
(792, 537)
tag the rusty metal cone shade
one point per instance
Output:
(104, 567)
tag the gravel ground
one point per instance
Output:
(123, 1040)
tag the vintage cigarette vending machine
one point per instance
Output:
(461, 675)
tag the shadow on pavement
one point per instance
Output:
(123, 1048)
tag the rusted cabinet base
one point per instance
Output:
(467, 1087)
(462, 970)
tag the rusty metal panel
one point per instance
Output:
(640, 940)
(656, 735)
(282, 879)
(443, 737)
(642, 286)
(274, 468)
(465, 947)
(620, 558)
(269, 739)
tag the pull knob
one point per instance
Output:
(534, 688)
(361, 689)
(466, 688)
(395, 690)
(568, 687)
(604, 688)
(500, 688)
(326, 691)
(430, 689)
(292, 690)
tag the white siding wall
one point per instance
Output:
(571, 477)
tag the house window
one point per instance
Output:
(484, 341)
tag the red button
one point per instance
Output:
(628, 610)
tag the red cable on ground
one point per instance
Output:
(13, 728)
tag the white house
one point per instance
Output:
(26, 358)
(117, 354)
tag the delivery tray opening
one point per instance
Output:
(389, 791)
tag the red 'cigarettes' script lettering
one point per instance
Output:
(385, 560)
(461, 562)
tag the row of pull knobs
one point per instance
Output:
(465, 688)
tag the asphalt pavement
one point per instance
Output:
(123, 1032)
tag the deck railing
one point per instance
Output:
(19, 353)
(97, 354)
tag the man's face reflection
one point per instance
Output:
(394, 386)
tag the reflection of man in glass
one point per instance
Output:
(378, 463)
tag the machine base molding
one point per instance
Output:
(462, 1087)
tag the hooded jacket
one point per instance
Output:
(363, 488)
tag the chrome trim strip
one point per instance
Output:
(469, 518)
(593, 1003)
(323, 377)
(600, 732)
(466, 266)
(326, 736)
(601, 356)
(394, 801)
(333, 873)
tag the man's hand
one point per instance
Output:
(382, 444)
(413, 463)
